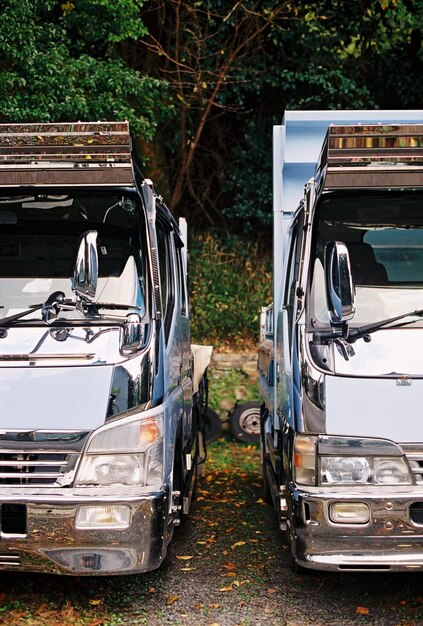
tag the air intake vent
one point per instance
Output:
(35, 467)
(414, 455)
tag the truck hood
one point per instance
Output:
(390, 408)
(54, 398)
(393, 351)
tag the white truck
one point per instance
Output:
(101, 392)
(340, 360)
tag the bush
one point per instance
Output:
(230, 280)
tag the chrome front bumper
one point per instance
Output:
(53, 544)
(390, 541)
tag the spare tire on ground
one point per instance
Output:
(245, 422)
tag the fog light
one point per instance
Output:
(115, 516)
(349, 513)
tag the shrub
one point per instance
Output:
(230, 281)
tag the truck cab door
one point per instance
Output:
(286, 336)
(177, 352)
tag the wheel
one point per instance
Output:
(212, 425)
(245, 422)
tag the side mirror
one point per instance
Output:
(85, 273)
(132, 334)
(340, 292)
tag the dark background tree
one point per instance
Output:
(233, 68)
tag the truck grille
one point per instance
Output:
(35, 467)
(414, 454)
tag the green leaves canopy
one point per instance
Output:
(66, 61)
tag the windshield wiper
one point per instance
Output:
(350, 335)
(362, 331)
(7, 321)
(57, 302)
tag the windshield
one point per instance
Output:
(383, 232)
(39, 237)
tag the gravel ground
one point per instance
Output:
(228, 565)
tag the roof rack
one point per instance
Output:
(69, 153)
(372, 156)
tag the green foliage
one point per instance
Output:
(61, 61)
(228, 388)
(230, 282)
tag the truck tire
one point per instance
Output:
(245, 422)
(212, 425)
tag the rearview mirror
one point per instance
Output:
(340, 292)
(85, 273)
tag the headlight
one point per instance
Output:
(339, 469)
(126, 452)
(390, 472)
(362, 470)
(353, 461)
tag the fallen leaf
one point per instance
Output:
(96, 602)
(151, 590)
(229, 588)
(188, 569)
(403, 602)
(184, 558)
(361, 610)
(271, 590)
(172, 598)
(214, 606)
(230, 566)
(238, 543)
